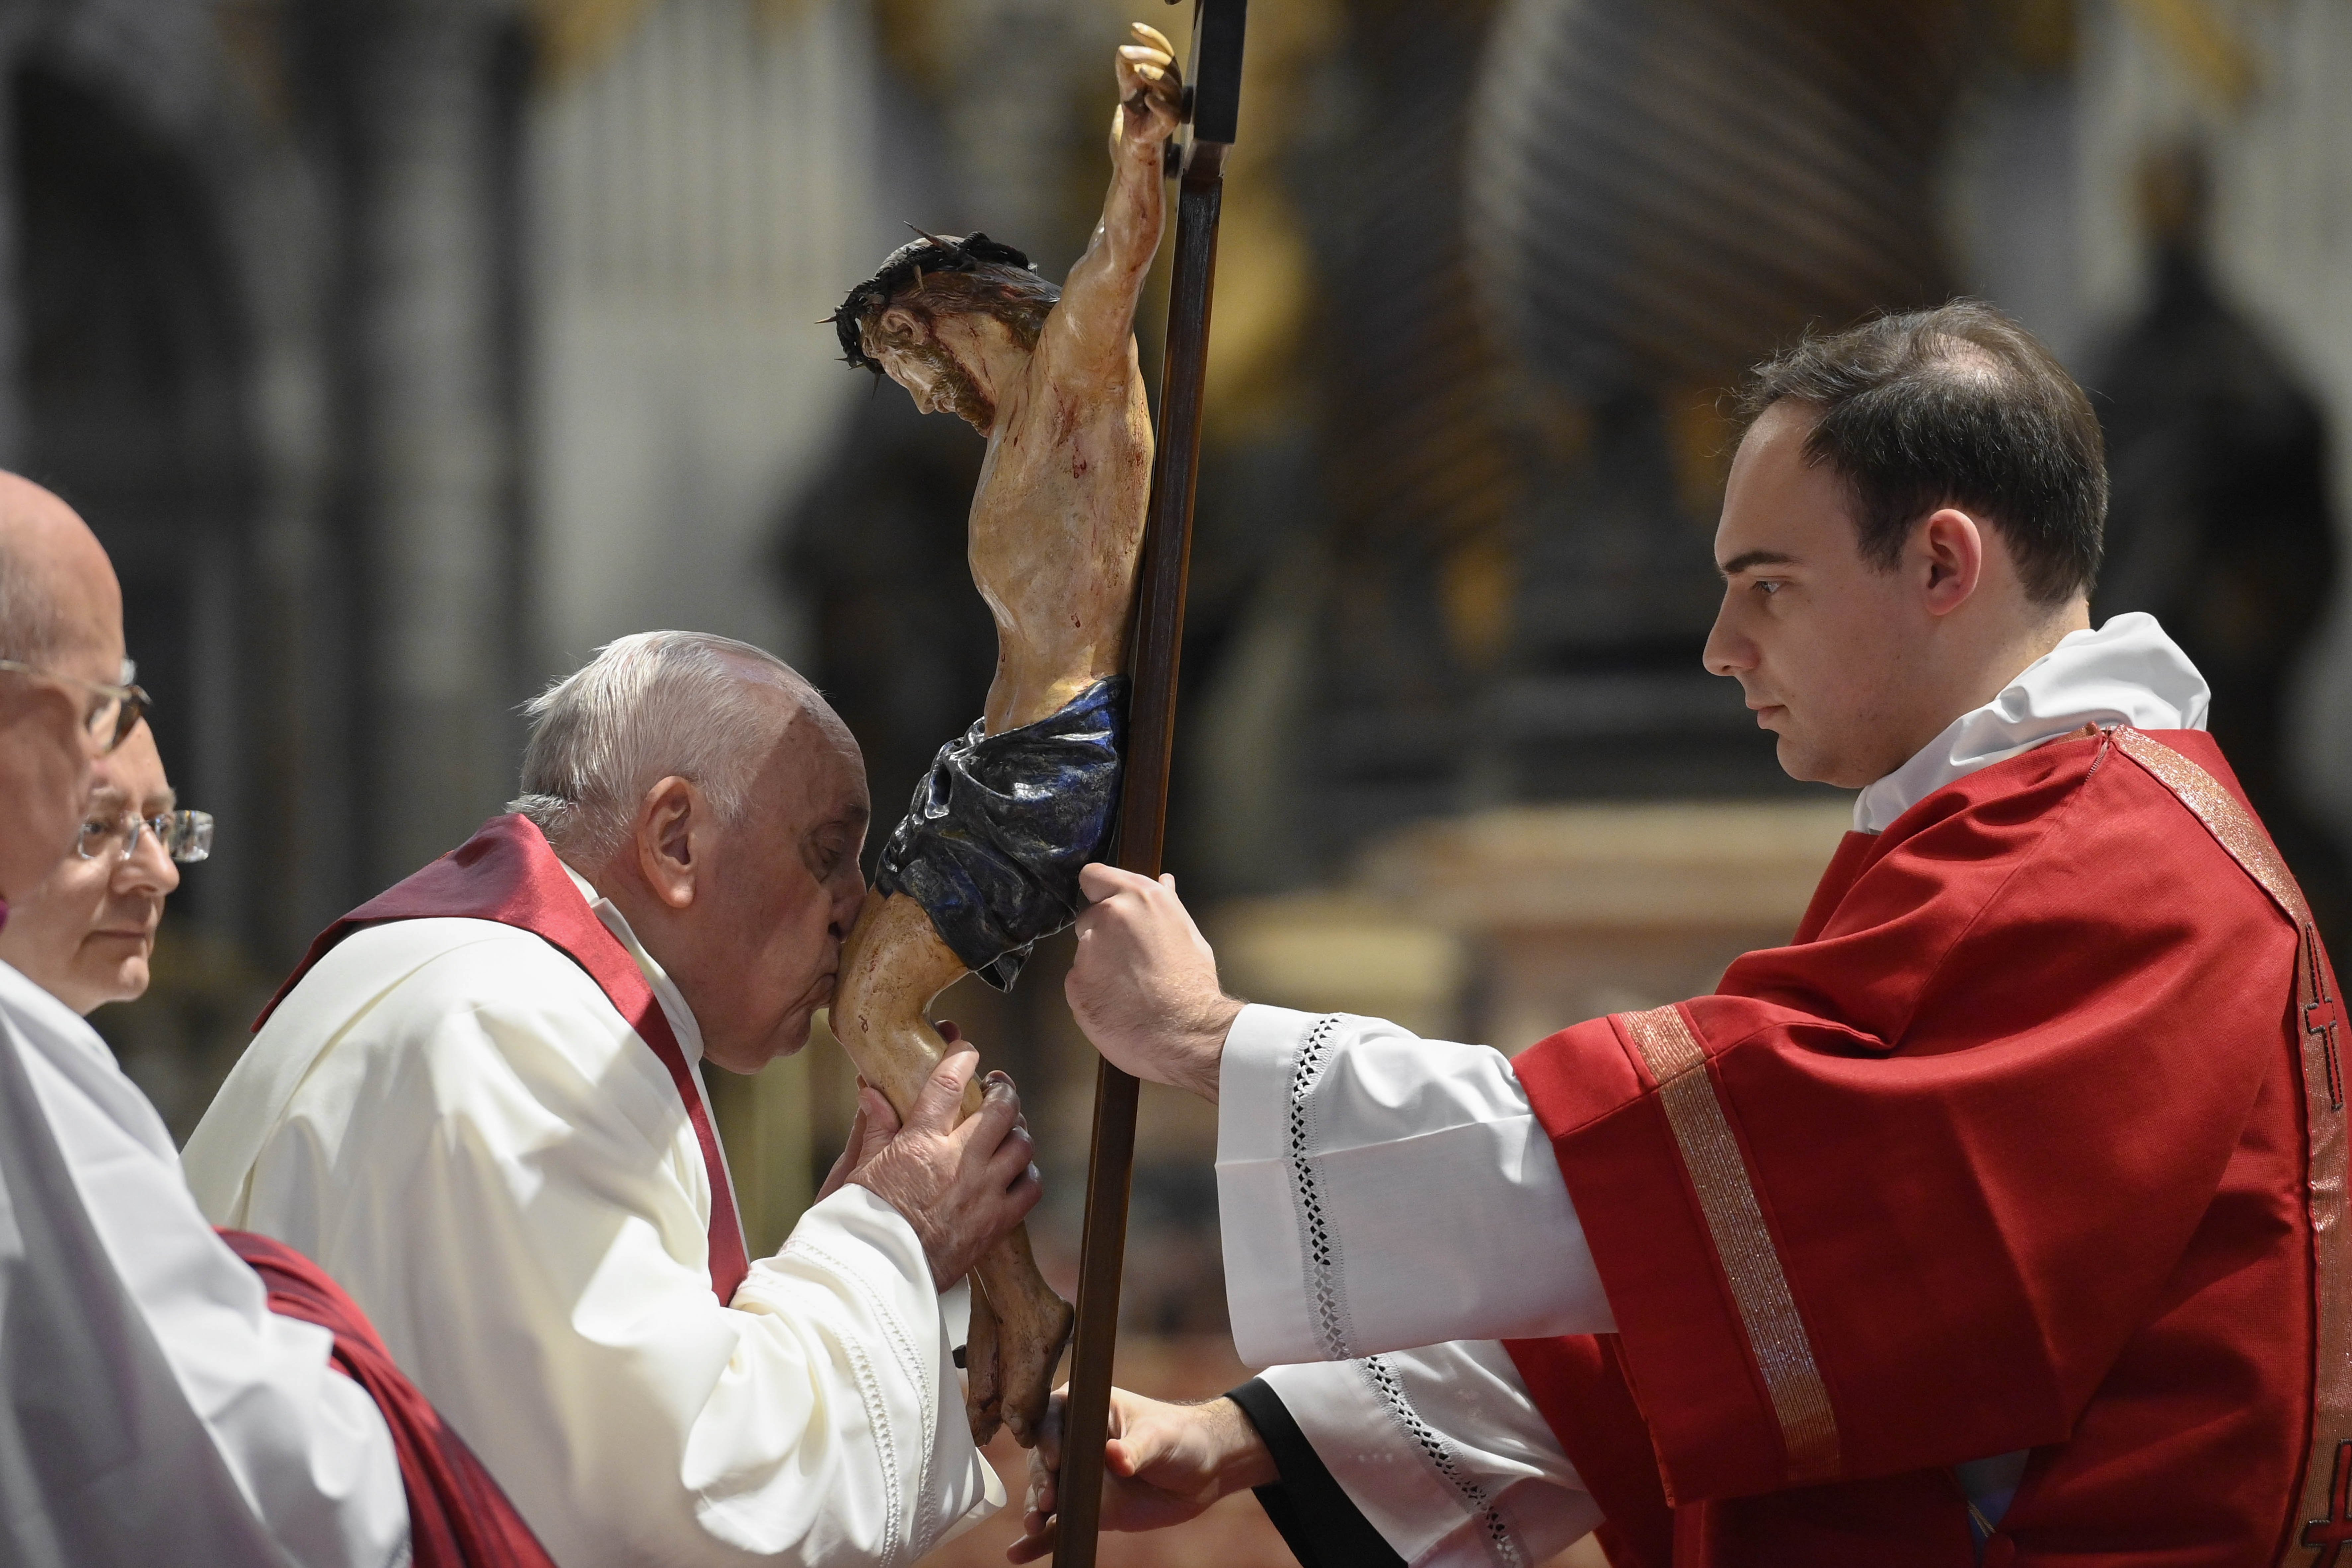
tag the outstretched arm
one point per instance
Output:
(1095, 322)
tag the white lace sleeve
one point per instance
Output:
(1442, 1453)
(1379, 1192)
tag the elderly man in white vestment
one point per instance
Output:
(152, 1409)
(458, 1109)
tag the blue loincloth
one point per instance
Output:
(992, 844)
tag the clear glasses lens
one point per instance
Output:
(97, 838)
(186, 836)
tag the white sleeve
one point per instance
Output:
(1379, 1192)
(1442, 1452)
(155, 1409)
(501, 1174)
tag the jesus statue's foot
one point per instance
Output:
(983, 1403)
(1025, 1363)
(1032, 1326)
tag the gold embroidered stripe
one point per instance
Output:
(2327, 1161)
(1767, 1310)
(2231, 824)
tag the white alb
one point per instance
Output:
(2127, 672)
(152, 1409)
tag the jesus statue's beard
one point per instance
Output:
(953, 391)
(961, 397)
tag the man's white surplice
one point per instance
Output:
(1378, 1192)
(152, 1409)
(451, 1117)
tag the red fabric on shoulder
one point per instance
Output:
(1854, 851)
(1580, 1390)
(2009, 1145)
(507, 873)
(458, 1515)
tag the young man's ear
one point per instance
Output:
(664, 839)
(1953, 544)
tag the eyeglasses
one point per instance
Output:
(115, 711)
(186, 835)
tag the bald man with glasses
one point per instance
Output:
(168, 1393)
(85, 935)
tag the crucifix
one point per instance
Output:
(1079, 719)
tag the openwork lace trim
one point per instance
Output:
(1388, 1383)
(1318, 1243)
(1327, 1306)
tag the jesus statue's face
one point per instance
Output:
(949, 363)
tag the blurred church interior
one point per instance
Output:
(403, 351)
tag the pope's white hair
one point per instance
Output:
(647, 706)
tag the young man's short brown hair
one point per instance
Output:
(1954, 406)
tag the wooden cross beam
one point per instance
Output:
(1212, 110)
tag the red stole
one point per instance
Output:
(457, 1516)
(507, 873)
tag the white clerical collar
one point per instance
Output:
(2127, 672)
(672, 1004)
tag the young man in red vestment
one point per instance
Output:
(1998, 1218)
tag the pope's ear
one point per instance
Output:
(665, 840)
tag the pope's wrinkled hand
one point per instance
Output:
(1163, 1464)
(961, 1187)
(1144, 983)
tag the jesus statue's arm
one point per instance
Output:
(1089, 337)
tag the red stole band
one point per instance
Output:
(458, 1515)
(507, 873)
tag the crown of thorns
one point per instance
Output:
(909, 263)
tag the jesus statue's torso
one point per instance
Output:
(1055, 525)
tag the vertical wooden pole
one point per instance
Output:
(1214, 98)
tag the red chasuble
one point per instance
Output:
(457, 1516)
(507, 873)
(2034, 1139)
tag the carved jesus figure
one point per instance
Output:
(986, 861)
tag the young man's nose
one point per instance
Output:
(1726, 652)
